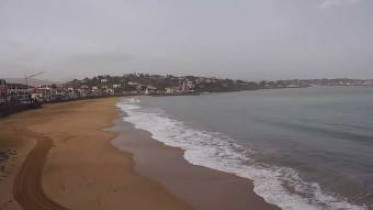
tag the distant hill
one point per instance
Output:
(31, 82)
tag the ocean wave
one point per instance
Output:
(280, 186)
(338, 134)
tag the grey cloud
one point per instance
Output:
(257, 39)
(100, 58)
(325, 4)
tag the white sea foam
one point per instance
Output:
(219, 152)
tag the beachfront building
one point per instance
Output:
(117, 86)
(19, 92)
(131, 83)
(172, 90)
(84, 91)
(44, 93)
(62, 94)
(187, 85)
(39, 94)
(118, 89)
(150, 90)
(3, 92)
(73, 94)
(96, 91)
(108, 92)
(3, 98)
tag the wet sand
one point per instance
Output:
(201, 187)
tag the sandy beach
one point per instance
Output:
(62, 157)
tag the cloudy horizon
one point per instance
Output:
(251, 40)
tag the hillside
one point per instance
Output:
(31, 82)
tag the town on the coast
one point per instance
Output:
(19, 96)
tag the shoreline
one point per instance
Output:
(71, 163)
(82, 170)
(203, 188)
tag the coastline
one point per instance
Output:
(82, 169)
(203, 188)
(64, 157)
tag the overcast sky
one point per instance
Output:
(248, 39)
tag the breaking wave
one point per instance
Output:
(280, 186)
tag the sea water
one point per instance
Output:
(308, 148)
